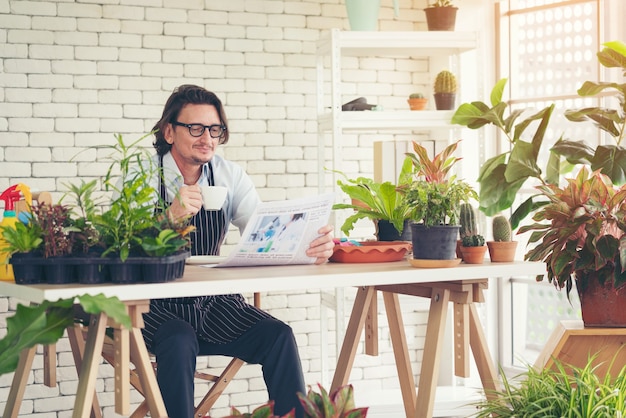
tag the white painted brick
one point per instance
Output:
(119, 68)
(16, 109)
(54, 23)
(42, 8)
(140, 55)
(76, 125)
(225, 31)
(183, 56)
(52, 110)
(27, 66)
(31, 124)
(183, 29)
(13, 138)
(163, 42)
(119, 96)
(13, 51)
(64, 169)
(267, 167)
(94, 139)
(161, 70)
(286, 20)
(13, 80)
(120, 39)
(96, 82)
(79, 10)
(50, 80)
(139, 83)
(16, 169)
(50, 52)
(124, 125)
(73, 67)
(141, 27)
(142, 111)
(74, 95)
(100, 110)
(267, 86)
(122, 12)
(70, 38)
(243, 45)
(15, 21)
(166, 15)
(98, 25)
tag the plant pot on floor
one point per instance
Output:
(435, 242)
(440, 18)
(444, 101)
(502, 251)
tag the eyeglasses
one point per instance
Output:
(197, 129)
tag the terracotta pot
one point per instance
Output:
(473, 255)
(417, 104)
(601, 305)
(440, 18)
(444, 101)
(502, 251)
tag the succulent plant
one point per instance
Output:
(445, 82)
(467, 219)
(475, 240)
(501, 228)
(416, 96)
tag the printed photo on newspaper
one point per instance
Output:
(279, 232)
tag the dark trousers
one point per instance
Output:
(269, 342)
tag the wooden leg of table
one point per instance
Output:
(400, 352)
(121, 342)
(18, 386)
(461, 340)
(50, 365)
(77, 344)
(484, 363)
(140, 358)
(89, 367)
(353, 334)
(371, 328)
(432, 350)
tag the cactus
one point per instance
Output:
(501, 228)
(445, 82)
(474, 241)
(467, 218)
(416, 96)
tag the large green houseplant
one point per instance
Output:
(580, 237)
(376, 201)
(610, 158)
(435, 198)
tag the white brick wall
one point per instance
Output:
(74, 73)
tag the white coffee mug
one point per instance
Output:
(213, 197)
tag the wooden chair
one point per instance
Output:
(77, 336)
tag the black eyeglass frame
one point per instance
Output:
(190, 126)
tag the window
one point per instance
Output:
(546, 49)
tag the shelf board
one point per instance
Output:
(411, 44)
(387, 120)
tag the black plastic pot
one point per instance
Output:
(27, 268)
(435, 242)
(385, 231)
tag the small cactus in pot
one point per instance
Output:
(502, 248)
(445, 88)
(472, 245)
(417, 101)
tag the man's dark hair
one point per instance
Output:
(182, 95)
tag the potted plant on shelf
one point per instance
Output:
(472, 245)
(445, 90)
(502, 248)
(434, 199)
(383, 203)
(441, 15)
(583, 242)
(417, 101)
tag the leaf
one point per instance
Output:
(576, 152)
(497, 91)
(112, 306)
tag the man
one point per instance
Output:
(177, 330)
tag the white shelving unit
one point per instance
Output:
(443, 50)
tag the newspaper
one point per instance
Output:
(280, 232)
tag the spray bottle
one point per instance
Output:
(10, 197)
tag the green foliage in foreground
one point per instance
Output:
(561, 392)
(46, 322)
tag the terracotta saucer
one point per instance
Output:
(371, 252)
(430, 264)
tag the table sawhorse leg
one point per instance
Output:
(12, 407)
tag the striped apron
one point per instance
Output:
(217, 319)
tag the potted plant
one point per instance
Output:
(383, 203)
(472, 244)
(339, 404)
(580, 237)
(22, 245)
(502, 248)
(610, 159)
(445, 90)
(441, 15)
(561, 391)
(417, 101)
(434, 199)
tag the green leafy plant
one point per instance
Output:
(46, 322)
(376, 201)
(502, 176)
(168, 241)
(434, 198)
(561, 391)
(21, 238)
(610, 159)
(441, 3)
(584, 232)
(83, 231)
(339, 404)
(54, 222)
